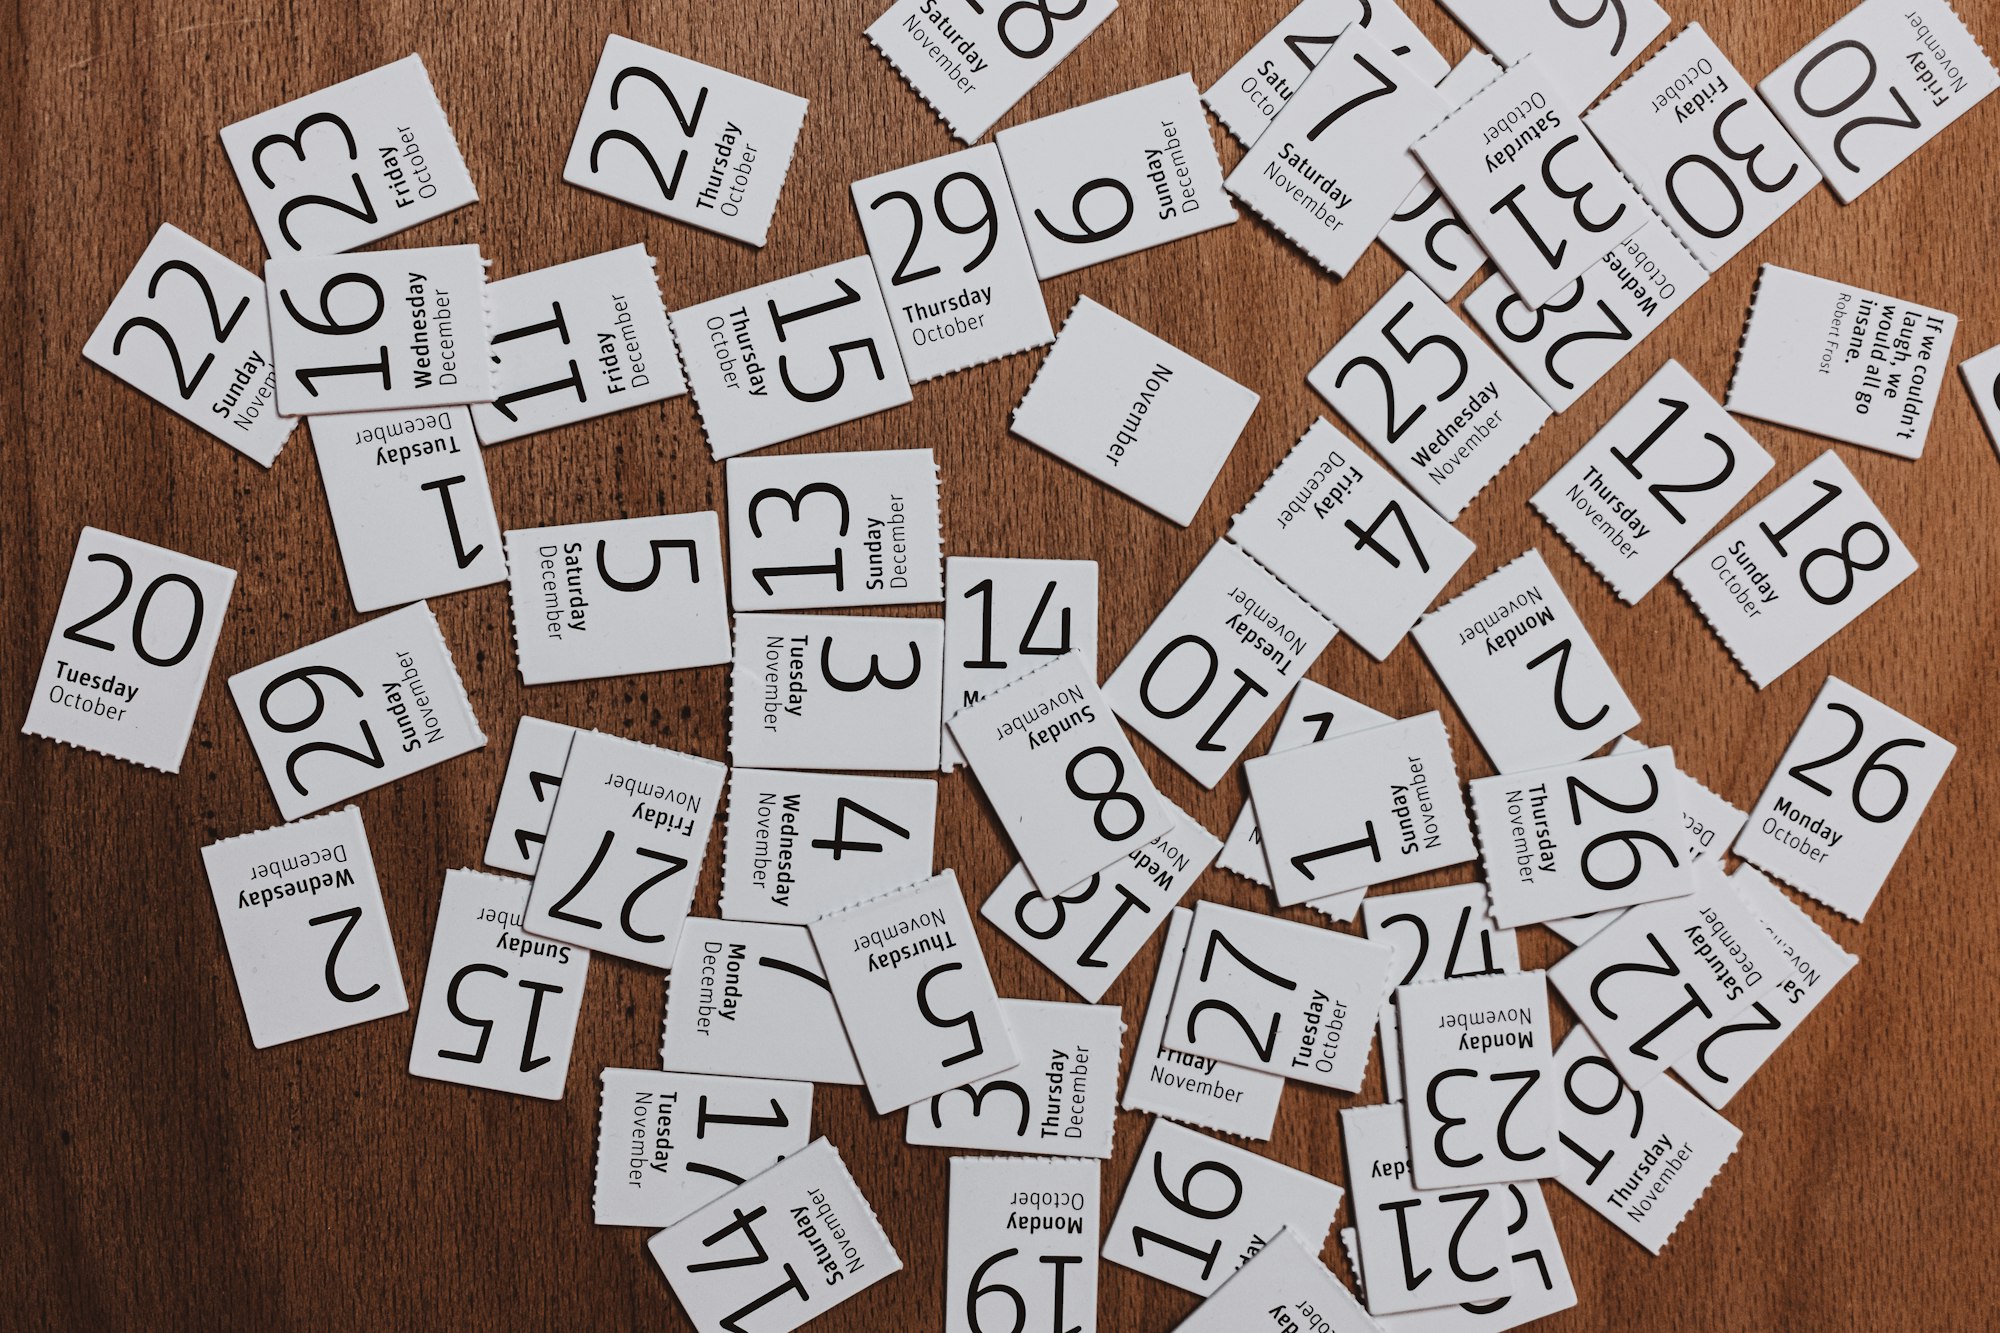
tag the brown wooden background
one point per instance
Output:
(161, 1172)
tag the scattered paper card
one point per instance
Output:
(903, 1022)
(1191, 1088)
(845, 529)
(1582, 51)
(1542, 1285)
(1419, 1248)
(738, 133)
(1256, 88)
(1867, 93)
(750, 999)
(1115, 176)
(1005, 617)
(1284, 1286)
(411, 507)
(389, 682)
(1023, 1236)
(1634, 517)
(102, 659)
(669, 1143)
(500, 1006)
(1351, 539)
(527, 799)
(1468, 943)
(1187, 1188)
(576, 341)
(820, 1244)
(1841, 361)
(1553, 700)
(1482, 1105)
(1314, 714)
(1847, 794)
(1360, 810)
(351, 163)
(874, 712)
(1982, 381)
(1774, 594)
(1061, 1100)
(1090, 932)
(625, 848)
(1061, 775)
(185, 342)
(829, 323)
(618, 598)
(970, 65)
(1134, 411)
(302, 917)
(949, 314)
(798, 846)
(1431, 240)
(1485, 412)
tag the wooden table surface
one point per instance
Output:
(164, 1173)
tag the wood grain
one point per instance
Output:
(166, 1174)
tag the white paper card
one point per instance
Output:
(302, 917)
(1314, 714)
(1420, 1248)
(1665, 469)
(1060, 1100)
(625, 848)
(1431, 240)
(1004, 617)
(1193, 1088)
(1867, 93)
(790, 357)
(1530, 181)
(129, 653)
(1795, 569)
(1023, 1237)
(669, 1143)
(1061, 774)
(1523, 669)
(499, 1006)
(575, 341)
(1726, 1058)
(1847, 794)
(1585, 330)
(750, 999)
(1134, 411)
(1360, 809)
(1583, 50)
(847, 692)
(618, 598)
(206, 359)
(381, 330)
(1664, 975)
(1583, 837)
(1320, 991)
(845, 529)
(948, 248)
(1090, 932)
(527, 799)
(1335, 164)
(1542, 1285)
(1476, 1061)
(1284, 1286)
(800, 845)
(411, 507)
(1436, 935)
(1216, 662)
(970, 62)
(1641, 1160)
(1982, 381)
(356, 711)
(681, 139)
(1351, 539)
(781, 1250)
(1187, 1188)
(1691, 132)
(351, 163)
(1257, 87)
(1115, 176)
(1429, 396)
(1842, 361)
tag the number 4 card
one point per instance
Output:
(1845, 799)
(128, 659)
